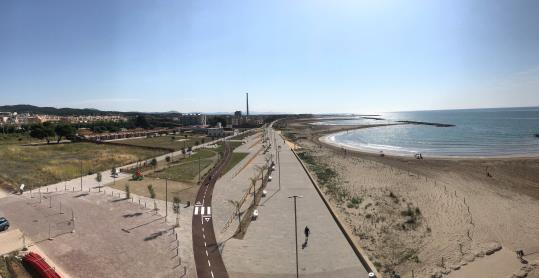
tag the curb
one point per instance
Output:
(362, 256)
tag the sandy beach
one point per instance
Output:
(449, 217)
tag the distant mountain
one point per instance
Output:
(25, 108)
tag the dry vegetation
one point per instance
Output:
(46, 164)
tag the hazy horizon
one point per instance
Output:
(292, 57)
(285, 113)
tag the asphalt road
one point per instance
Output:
(208, 260)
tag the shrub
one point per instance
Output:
(355, 200)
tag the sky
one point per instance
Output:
(301, 56)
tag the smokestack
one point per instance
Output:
(247, 94)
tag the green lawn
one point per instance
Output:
(236, 158)
(176, 142)
(46, 164)
(186, 170)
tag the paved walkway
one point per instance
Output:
(268, 247)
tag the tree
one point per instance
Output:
(65, 130)
(176, 204)
(99, 178)
(237, 207)
(151, 191)
(127, 191)
(153, 162)
(167, 159)
(140, 121)
(41, 132)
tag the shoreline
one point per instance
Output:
(430, 216)
(324, 139)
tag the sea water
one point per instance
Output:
(477, 132)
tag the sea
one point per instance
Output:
(476, 132)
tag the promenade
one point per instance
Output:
(267, 249)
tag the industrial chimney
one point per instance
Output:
(247, 94)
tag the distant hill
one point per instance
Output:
(25, 108)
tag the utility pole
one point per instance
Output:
(296, 230)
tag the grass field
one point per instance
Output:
(176, 142)
(236, 158)
(244, 135)
(46, 164)
(184, 191)
(186, 170)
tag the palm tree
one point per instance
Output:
(237, 207)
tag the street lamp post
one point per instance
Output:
(166, 199)
(296, 230)
(279, 164)
(81, 175)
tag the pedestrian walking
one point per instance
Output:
(307, 232)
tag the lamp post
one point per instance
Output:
(296, 230)
(81, 175)
(279, 164)
(166, 199)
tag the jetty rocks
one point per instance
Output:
(426, 123)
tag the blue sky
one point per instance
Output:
(291, 56)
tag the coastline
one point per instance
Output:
(324, 138)
(467, 205)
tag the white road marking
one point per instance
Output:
(209, 211)
(196, 210)
(211, 271)
(209, 263)
(202, 210)
(202, 229)
(204, 236)
(207, 253)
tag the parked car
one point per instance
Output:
(4, 224)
